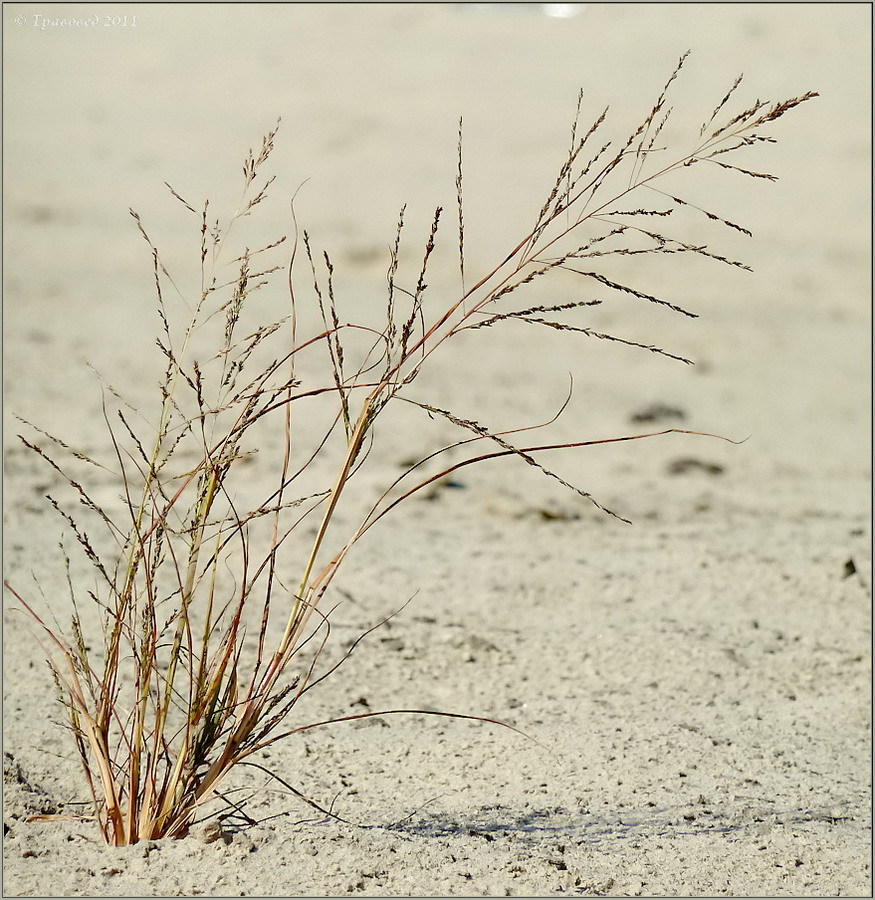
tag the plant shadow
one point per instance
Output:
(590, 828)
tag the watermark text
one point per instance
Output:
(43, 23)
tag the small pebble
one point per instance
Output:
(207, 832)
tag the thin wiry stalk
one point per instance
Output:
(460, 210)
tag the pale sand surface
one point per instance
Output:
(699, 682)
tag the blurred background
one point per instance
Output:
(98, 116)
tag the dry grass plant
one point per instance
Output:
(172, 698)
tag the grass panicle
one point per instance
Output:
(170, 696)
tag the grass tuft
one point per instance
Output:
(173, 696)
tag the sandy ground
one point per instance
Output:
(698, 684)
